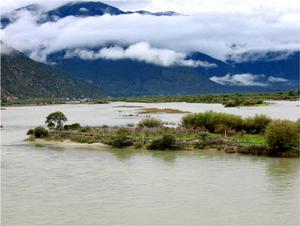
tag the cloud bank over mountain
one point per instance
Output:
(246, 79)
(215, 33)
(141, 51)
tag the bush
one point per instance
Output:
(203, 136)
(74, 126)
(298, 124)
(122, 138)
(199, 145)
(38, 132)
(282, 136)
(85, 129)
(30, 132)
(166, 142)
(215, 122)
(212, 121)
(256, 124)
(150, 123)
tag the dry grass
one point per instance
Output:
(163, 110)
(128, 106)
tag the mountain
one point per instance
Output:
(22, 77)
(127, 77)
(82, 9)
(8, 18)
(77, 9)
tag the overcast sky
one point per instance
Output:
(291, 7)
(215, 27)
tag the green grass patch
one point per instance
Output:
(249, 139)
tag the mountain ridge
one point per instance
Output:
(22, 77)
(80, 8)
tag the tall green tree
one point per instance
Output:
(56, 120)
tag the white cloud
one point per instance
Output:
(261, 56)
(214, 32)
(5, 49)
(277, 79)
(188, 7)
(239, 80)
(141, 52)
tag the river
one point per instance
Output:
(47, 185)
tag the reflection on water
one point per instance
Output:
(46, 185)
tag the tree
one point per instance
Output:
(282, 136)
(56, 120)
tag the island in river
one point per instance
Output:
(258, 135)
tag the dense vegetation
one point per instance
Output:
(215, 122)
(228, 100)
(282, 136)
(23, 78)
(257, 135)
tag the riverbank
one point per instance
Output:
(227, 100)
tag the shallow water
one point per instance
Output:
(43, 185)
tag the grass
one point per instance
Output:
(127, 106)
(249, 139)
(159, 110)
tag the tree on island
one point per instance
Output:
(56, 120)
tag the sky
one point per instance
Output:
(290, 7)
(220, 28)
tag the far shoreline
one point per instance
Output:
(227, 100)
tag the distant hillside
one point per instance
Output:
(133, 78)
(278, 63)
(22, 77)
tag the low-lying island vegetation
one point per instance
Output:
(228, 100)
(257, 135)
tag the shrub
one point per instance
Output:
(199, 145)
(282, 136)
(74, 126)
(38, 132)
(298, 124)
(230, 103)
(203, 136)
(256, 124)
(212, 121)
(30, 132)
(122, 138)
(150, 123)
(85, 129)
(166, 142)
